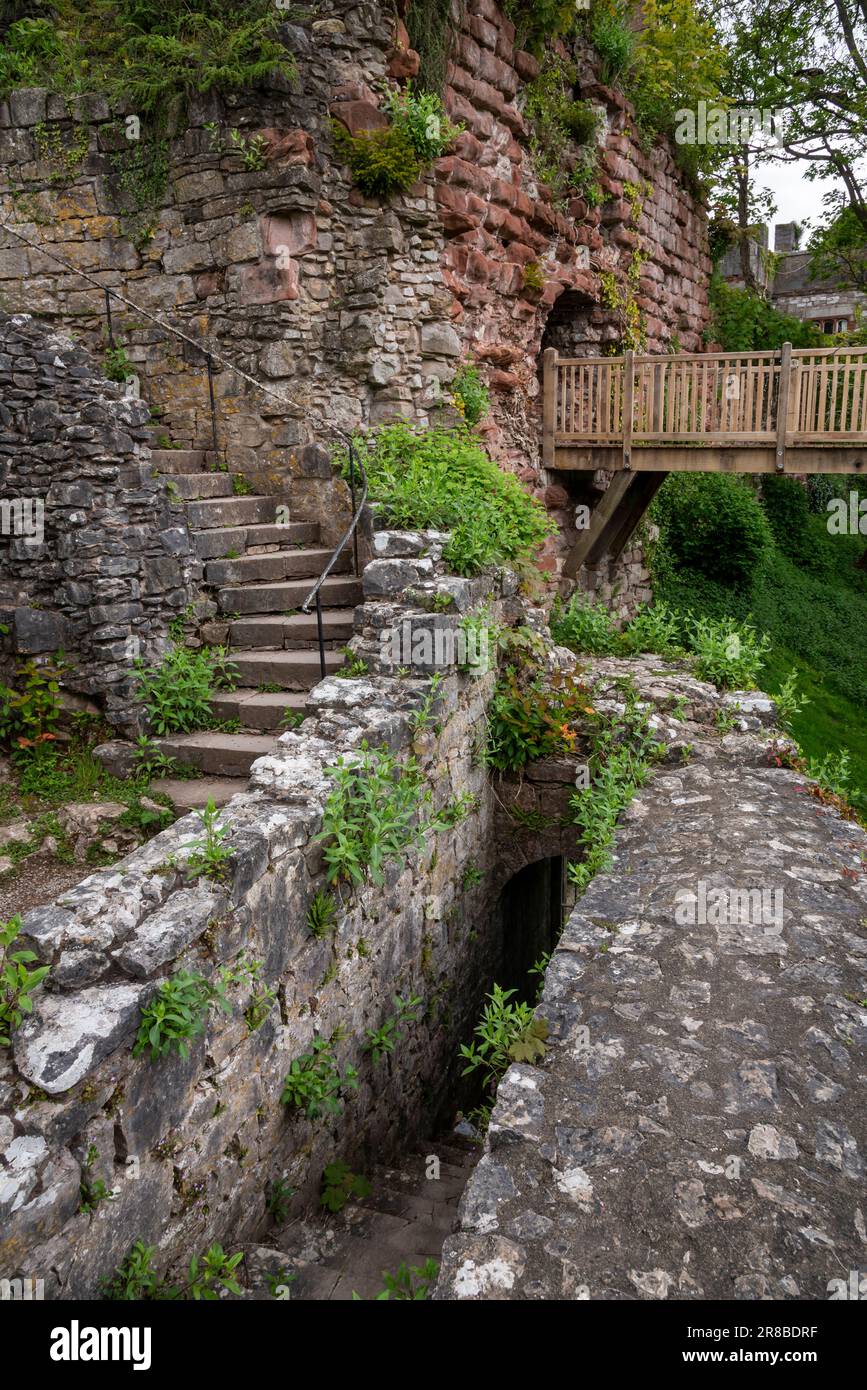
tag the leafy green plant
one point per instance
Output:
(354, 666)
(583, 626)
(421, 117)
(30, 713)
(210, 857)
(559, 123)
(240, 485)
(713, 523)
(409, 1283)
(314, 1082)
(17, 980)
(92, 1191)
(507, 1032)
(471, 877)
(380, 1042)
(177, 1013)
(136, 1280)
(382, 162)
(530, 718)
(321, 913)
(371, 815)
(116, 364)
(278, 1198)
(443, 480)
(727, 653)
(533, 277)
(469, 394)
(340, 1185)
(789, 701)
(177, 692)
(654, 628)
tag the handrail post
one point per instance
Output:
(111, 342)
(783, 405)
(320, 635)
(352, 495)
(628, 405)
(214, 439)
(549, 405)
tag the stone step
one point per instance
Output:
(219, 540)
(446, 1188)
(221, 755)
(412, 1204)
(282, 564)
(338, 591)
(192, 487)
(233, 511)
(291, 632)
(259, 709)
(293, 670)
(181, 460)
(191, 794)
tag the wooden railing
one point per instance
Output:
(779, 399)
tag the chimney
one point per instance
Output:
(784, 237)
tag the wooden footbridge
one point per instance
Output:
(643, 417)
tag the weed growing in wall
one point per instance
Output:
(209, 1276)
(507, 1032)
(17, 981)
(177, 693)
(382, 162)
(340, 1185)
(315, 1084)
(371, 815)
(469, 394)
(178, 1013)
(422, 119)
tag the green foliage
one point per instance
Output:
(838, 250)
(507, 1032)
(469, 394)
(653, 629)
(135, 1280)
(340, 1185)
(354, 667)
(30, 711)
(380, 1042)
(240, 485)
(559, 123)
(789, 701)
(422, 119)
(622, 752)
(371, 815)
(679, 60)
(410, 1283)
(443, 479)
(583, 626)
(530, 718)
(321, 913)
(151, 56)
(729, 654)
(538, 22)
(431, 34)
(17, 980)
(742, 321)
(712, 523)
(278, 1198)
(533, 277)
(177, 692)
(314, 1083)
(210, 857)
(116, 365)
(787, 507)
(176, 1014)
(382, 162)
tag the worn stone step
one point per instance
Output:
(283, 564)
(233, 511)
(292, 670)
(338, 591)
(219, 540)
(180, 460)
(191, 794)
(446, 1188)
(290, 632)
(193, 487)
(259, 709)
(462, 1156)
(222, 755)
(413, 1205)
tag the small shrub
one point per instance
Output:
(422, 119)
(176, 1014)
(727, 653)
(533, 277)
(787, 507)
(17, 980)
(340, 1184)
(30, 713)
(653, 629)
(116, 364)
(507, 1032)
(469, 394)
(370, 816)
(314, 1083)
(614, 41)
(409, 1284)
(321, 913)
(382, 162)
(583, 626)
(530, 719)
(713, 523)
(177, 693)
(442, 479)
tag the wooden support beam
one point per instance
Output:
(741, 458)
(644, 488)
(600, 519)
(549, 405)
(783, 406)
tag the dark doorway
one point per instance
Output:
(531, 911)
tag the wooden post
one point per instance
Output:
(783, 405)
(549, 405)
(628, 405)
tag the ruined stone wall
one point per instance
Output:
(95, 560)
(189, 1146)
(356, 311)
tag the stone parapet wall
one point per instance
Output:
(95, 560)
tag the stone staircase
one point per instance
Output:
(405, 1220)
(259, 570)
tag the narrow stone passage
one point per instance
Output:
(698, 1128)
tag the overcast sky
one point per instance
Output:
(797, 199)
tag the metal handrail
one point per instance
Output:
(211, 355)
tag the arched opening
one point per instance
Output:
(532, 909)
(574, 326)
